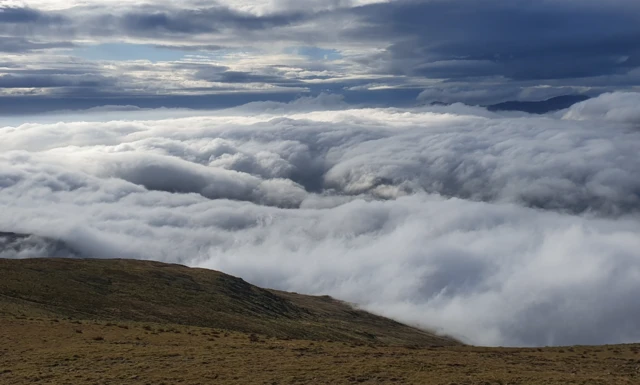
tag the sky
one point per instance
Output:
(213, 54)
(343, 148)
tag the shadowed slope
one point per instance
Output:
(127, 290)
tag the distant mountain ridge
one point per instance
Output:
(533, 107)
(539, 107)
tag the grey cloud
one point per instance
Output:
(49, 81)
(157, 21)
(86, 84)
(520, 40)
(461, 40)
(225, 75)
(146, 18)
(29, 246)
(177, 176)
(20, 45)
(34, 28)
(165, 26)
(199, 47)
(247, 77)
(612, 107)
(149, 20)
(23, 15)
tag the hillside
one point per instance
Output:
(145, 291)
(75, 321)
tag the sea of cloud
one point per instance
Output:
(498, 229)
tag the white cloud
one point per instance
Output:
(424, 215)
(621, 107)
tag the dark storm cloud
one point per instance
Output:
(24, 29)
(517, 39)
(23, 15)
(146, 20)
(223, 74)
(152, 21)
(499, 50)
(49, 81)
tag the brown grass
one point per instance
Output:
(49, 352)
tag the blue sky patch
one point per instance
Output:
(125, 51)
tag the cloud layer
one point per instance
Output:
(500, 229)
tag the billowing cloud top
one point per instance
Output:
(203, 54)
(500, 229)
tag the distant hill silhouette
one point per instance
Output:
(539, 107)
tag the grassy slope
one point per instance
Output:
(59, 351)
(145, 291)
